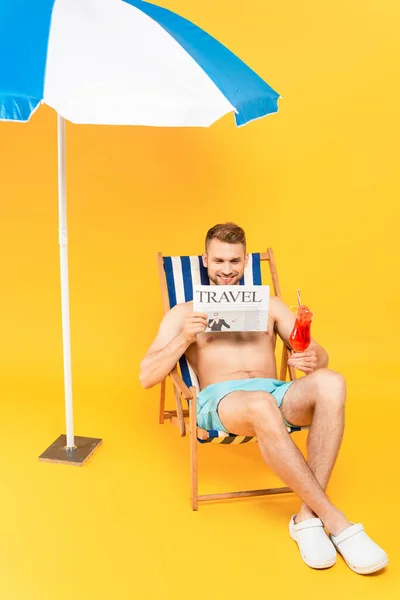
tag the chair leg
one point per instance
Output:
(162, 403)
(193, 451)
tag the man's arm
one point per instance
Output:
(315, 357)
(177, 332)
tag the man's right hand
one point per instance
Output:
(194, 323)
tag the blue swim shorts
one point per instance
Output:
(209, 398)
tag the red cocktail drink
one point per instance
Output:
(300, 337)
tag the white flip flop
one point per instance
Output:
(361, 554)
(315, 547)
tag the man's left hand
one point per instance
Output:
(307, 361)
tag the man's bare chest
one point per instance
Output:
(232, 343)
(233, 338)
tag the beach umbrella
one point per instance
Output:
(115, 62)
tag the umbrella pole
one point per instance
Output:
(63, 241)
(67, 449)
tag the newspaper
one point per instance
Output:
(233, 307)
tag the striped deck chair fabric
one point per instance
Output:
(182, 273)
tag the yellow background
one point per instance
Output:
(319, 183)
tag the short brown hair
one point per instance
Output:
(226, 232)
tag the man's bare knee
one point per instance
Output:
(330, 385)
(262, 407)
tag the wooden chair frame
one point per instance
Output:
(186, 419)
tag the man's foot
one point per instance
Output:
(304, 515)
(315, 547)
(335, 524)
(360, 553)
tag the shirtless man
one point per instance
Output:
(240, 393)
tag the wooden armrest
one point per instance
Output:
(180, 388)
(180, 384)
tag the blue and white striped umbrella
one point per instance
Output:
(121, 63)
(116, 62)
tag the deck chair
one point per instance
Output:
(178, 275)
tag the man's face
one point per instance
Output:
(225, 263)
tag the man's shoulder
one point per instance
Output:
(276, 305)
(273, 305)
(182, 309)
(185, 306)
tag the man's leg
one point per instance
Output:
(256, 413)
(319, 399)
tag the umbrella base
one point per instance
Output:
(77, 456)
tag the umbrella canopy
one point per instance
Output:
(116, 62)
(121, 62)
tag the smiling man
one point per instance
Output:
(240, 394)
